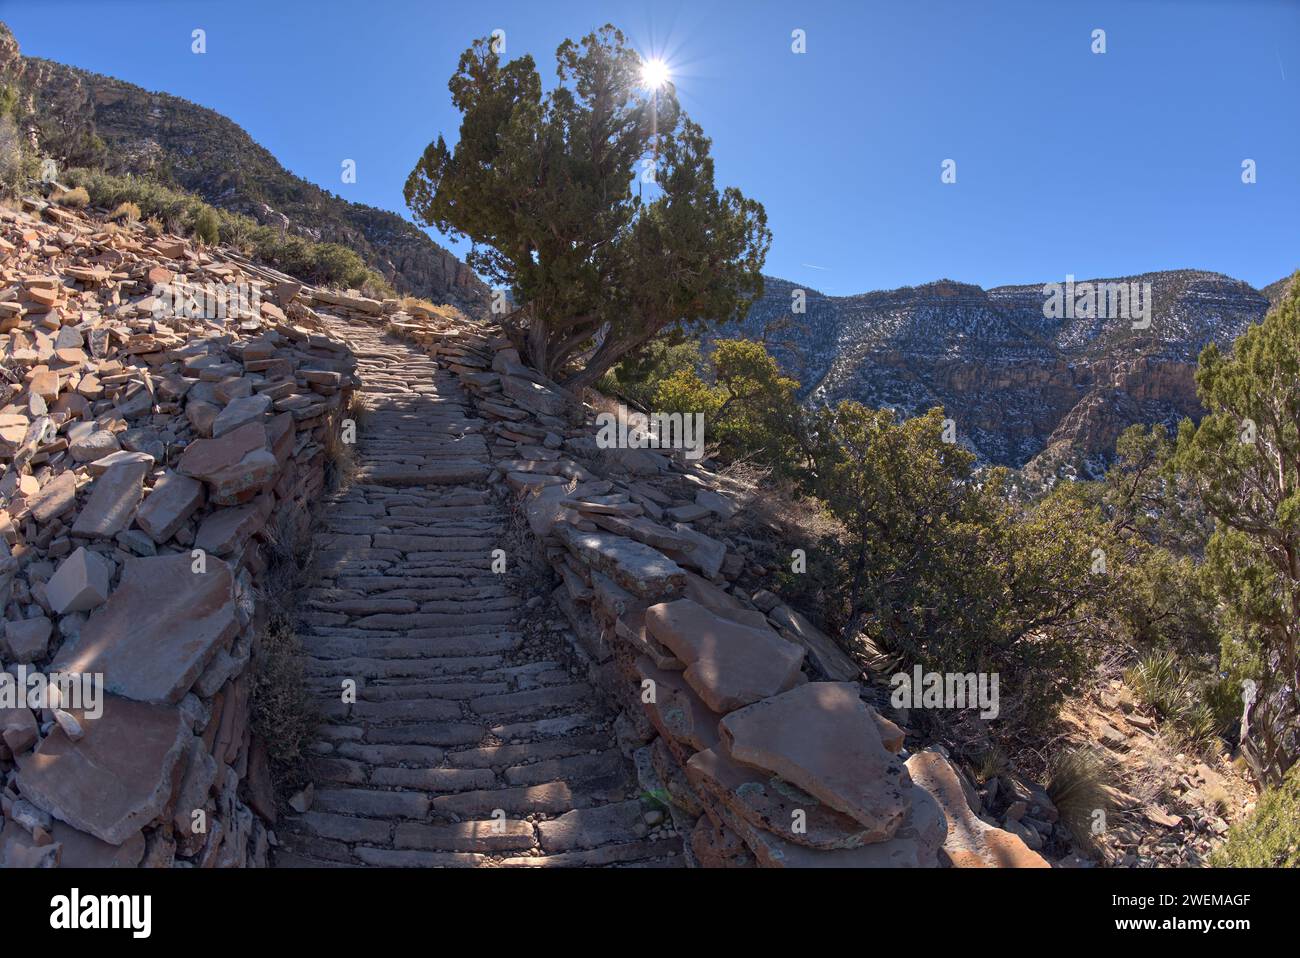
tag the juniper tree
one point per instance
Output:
(939, 565)
(593, 203)
(1244, 462)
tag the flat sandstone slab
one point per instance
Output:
(159, 628)
(117, 778)
(971, 842)
(730, 665)
(822, 738)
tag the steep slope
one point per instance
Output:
(89, 119)
(1015, 381)
(1276, 290)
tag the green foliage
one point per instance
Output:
(176, 211)
(206, 225)
(1243, 461)
(543, 184)
(750, 410)
(1155, 680)
(1200, 710)
(8, 101)
(938, 564)
(75, 147)
(1270, 837)
(638, 374)
(18, 167)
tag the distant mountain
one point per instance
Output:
(1024, 389)
(123, 128)
(1276, 290)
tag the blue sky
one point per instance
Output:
(1067, 161)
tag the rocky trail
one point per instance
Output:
(469, 743)
(532, 642)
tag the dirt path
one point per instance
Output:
(468, 743)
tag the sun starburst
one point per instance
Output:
(654, 73)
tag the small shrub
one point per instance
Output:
(989, 764)
(17, 165)
(1269, 838)
(126, 212)
(1199, 712)
(1155, 680)
(206, 225)
(340, 461)
(178, 212)
(76, 198)
(282, 712)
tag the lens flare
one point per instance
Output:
(654, 73)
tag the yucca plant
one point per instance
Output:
(1078, 783)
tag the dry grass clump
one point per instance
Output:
(428, 308)
(1079, 783)
(126, 212)
(76, 198)
(340, 460)
(283, 714)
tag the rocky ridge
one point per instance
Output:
(180, 143)
(151, 463)
(1019, 385)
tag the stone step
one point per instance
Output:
(589, 827)
(397, 858)
(533, 700)
(545, 728)
(605, 767)
(371, 803)
(553, 798)
(357, 667)
(501, 756)
(490, 836)
(459, 730)
(450, 472)
(434, 779)
(449, 691)
(604, 856)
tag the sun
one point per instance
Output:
(654, 73)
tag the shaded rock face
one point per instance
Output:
(171, 138)
(1016, 382)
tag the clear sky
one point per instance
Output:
(1067, 161)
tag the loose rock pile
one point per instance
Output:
(749, 722)
(143, 454)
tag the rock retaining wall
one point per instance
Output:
(154, 467)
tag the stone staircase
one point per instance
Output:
(470, 741)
